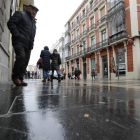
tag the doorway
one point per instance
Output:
(105, 66)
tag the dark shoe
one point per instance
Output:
(44, 80)
(17, 82)
(24, 83)
(48, 80)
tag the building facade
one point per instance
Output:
(99, 31)
(7, 9)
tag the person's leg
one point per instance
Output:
(26, 61)
(19, 62)
(52, 75)
(58, 73)
(44, 75)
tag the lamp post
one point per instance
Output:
(84, 63)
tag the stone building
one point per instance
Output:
(7, 9)
(99, 31)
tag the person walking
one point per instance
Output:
(56, 61)
(76, 73)
(79, 72)
(22, 26)
(93, 74)
(46, 56)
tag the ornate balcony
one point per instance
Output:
(101, 21)
(89, 50)
(83, 34)
(91, 28)
(94, 6)
(82, 17)
(118, 36)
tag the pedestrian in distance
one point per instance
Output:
(79, 72)
(69, 75)
(22, 26)
(93, 73)
(76, 73)
(46, 57)
(55, 64)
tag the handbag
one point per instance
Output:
(40, 63)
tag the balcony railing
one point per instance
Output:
(90, 49)
(119, 6)
(120, 35)
(91, 27)
(102, 20)
(83, 33)
(94, 5)
(82, 17)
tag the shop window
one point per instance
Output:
(120, 58)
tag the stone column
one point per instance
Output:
(100, 65)
(108, 62)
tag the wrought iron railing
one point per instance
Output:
(94, 5)
(102, 20)
(89, 49)
(83, 33)
(91, 27)
(119, 35)
(82, 17)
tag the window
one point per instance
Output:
(92, 21)
(78, 32)
(84, 44)
(92, 40)
(91, 4)
(103, 35)
(72, 24)
(72, 51)
(25, 8)
(77, 19)
(84, 28)
(102, 11)
(72, 36)
(77, 48)
(84, 12)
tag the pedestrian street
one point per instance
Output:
(70, 110)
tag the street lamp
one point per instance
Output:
(83, 45)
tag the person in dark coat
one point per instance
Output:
(22, 26)
(46, 56)
(93, 74)
(76, 73)
(56, 61)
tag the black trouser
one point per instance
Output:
(21, 62)
(93, 76)
(76, 76)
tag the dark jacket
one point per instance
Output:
(76, 72)
(23, 29)
(93, 73)
(46, 55)
(56, 61)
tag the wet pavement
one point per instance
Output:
(71, 110)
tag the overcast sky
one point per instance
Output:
(51, 18)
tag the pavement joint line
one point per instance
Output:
(12, 104)
(119, 125)
(22, 132)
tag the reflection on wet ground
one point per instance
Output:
(70, 110)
